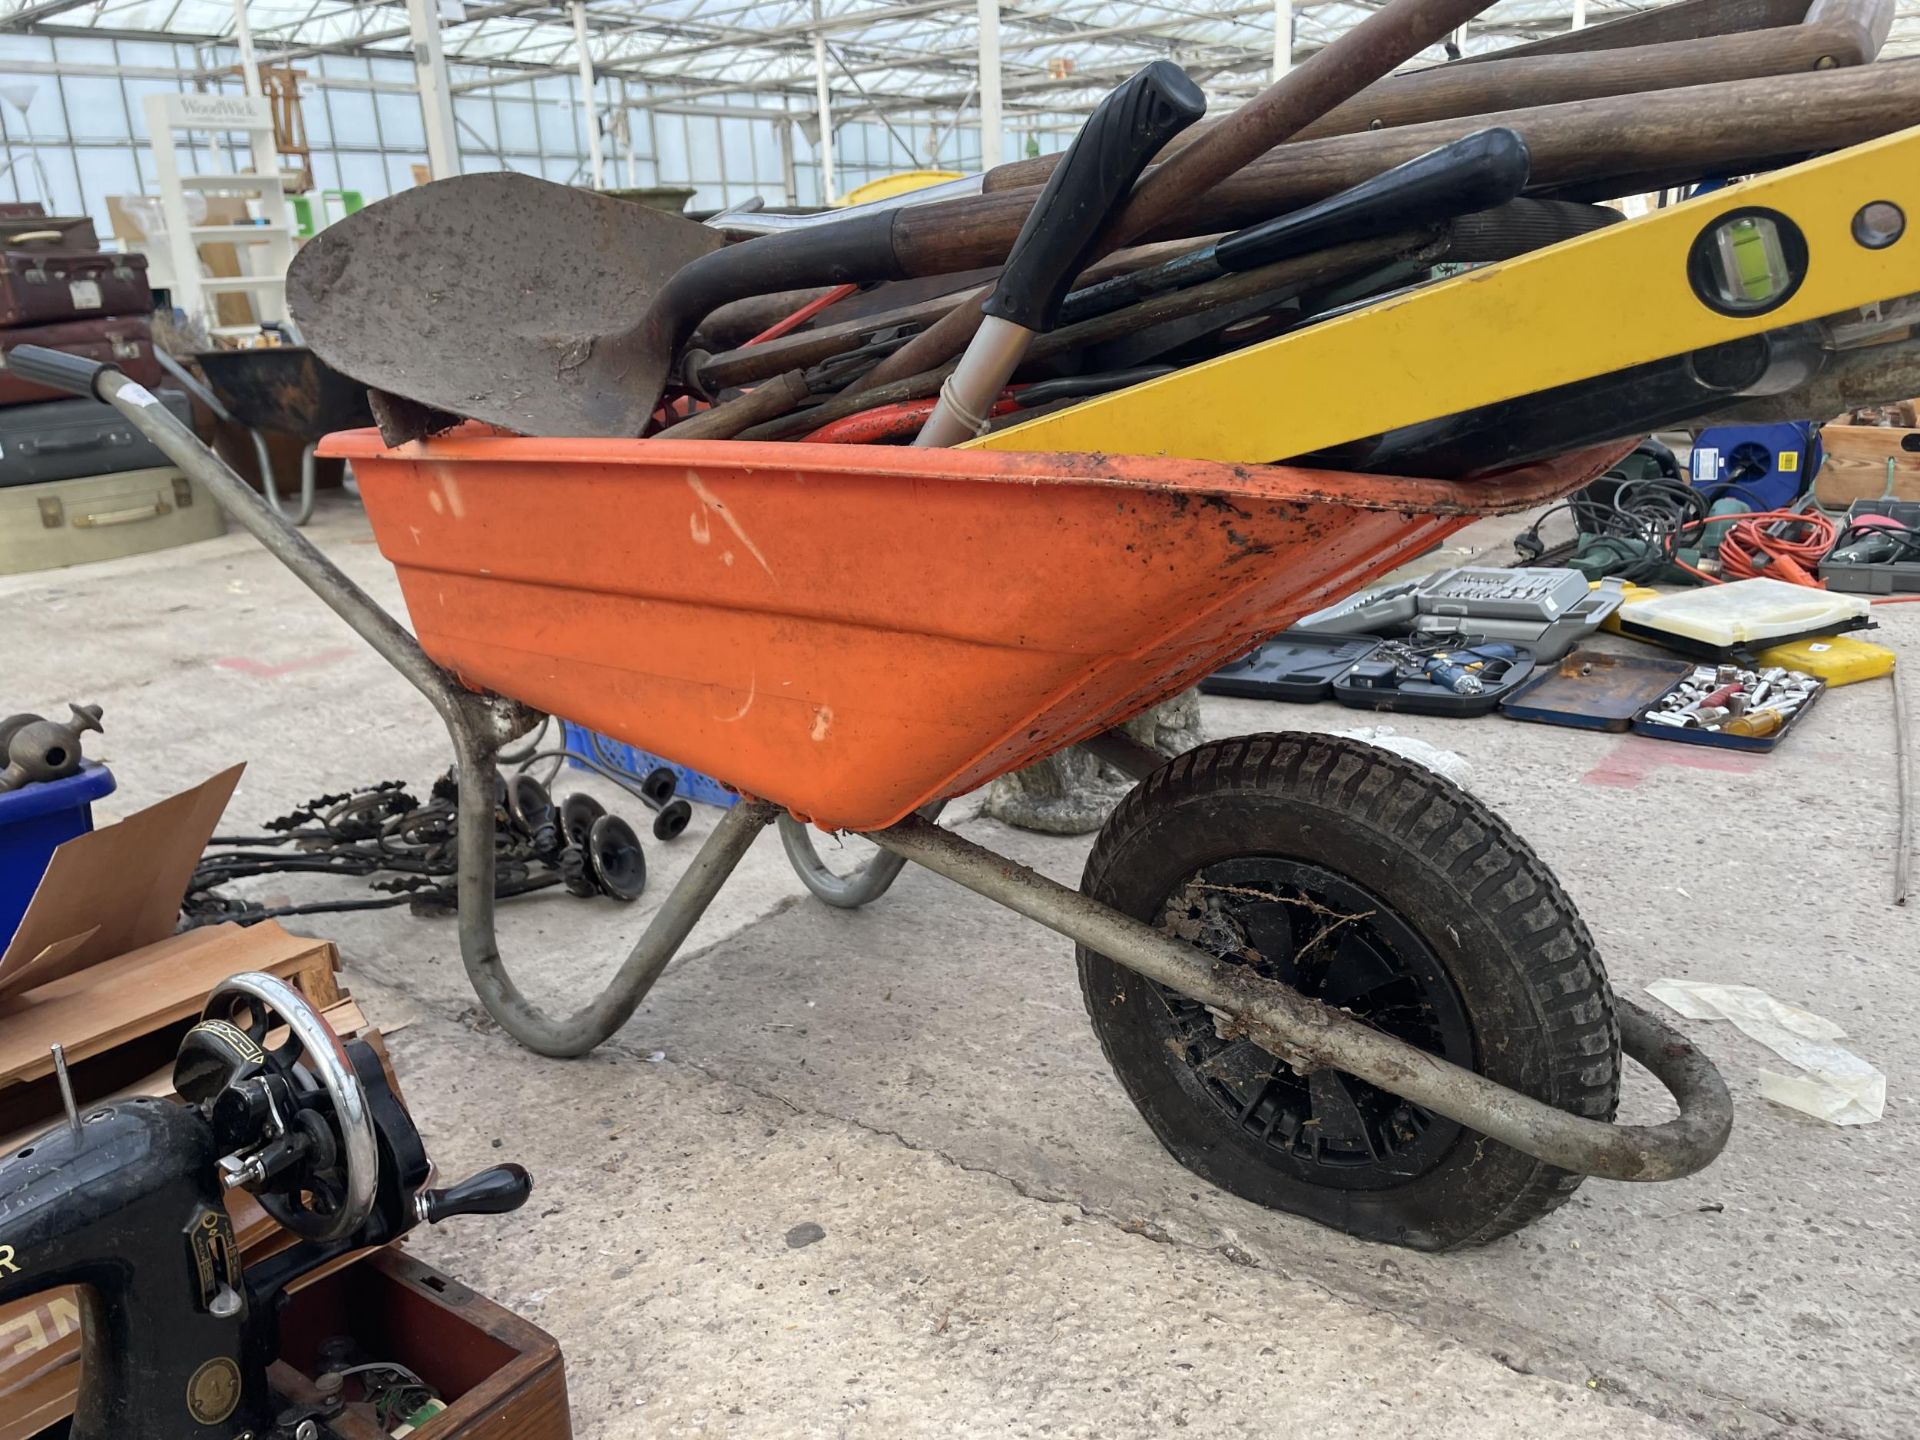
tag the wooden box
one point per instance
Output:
(502, 1378)
(1867, 462)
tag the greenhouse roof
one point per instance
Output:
(1057, 56)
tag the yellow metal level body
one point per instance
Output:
(1603, 302)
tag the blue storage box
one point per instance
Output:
(609, 754)
(34, 822)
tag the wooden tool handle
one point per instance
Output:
(1387, 38)
(1690, 45)
(1390, 36)
(1599, 149)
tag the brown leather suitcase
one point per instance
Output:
(39, 287)
(48, 232)
(123, 340)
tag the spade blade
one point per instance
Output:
(499, 297)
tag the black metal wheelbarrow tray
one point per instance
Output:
(1332, 982)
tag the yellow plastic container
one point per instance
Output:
(1836, 659)
(1629, 592)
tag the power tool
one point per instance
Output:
(1874, 540)
(124, 1201)
(1465, 670)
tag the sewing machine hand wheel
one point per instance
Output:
(319, 1166)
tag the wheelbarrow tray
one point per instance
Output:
(853, 632)
(286, 388)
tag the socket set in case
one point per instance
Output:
(1544, 609)
(1731, 707)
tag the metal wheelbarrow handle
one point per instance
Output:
(477, 724)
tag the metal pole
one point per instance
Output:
(243, 37)
(1579, 14)
(594, 163)
(990, 114)
(626, 136)
(457, 705)
(789, 177)
(1903, 842)
(436, 96)
(828, 192)
(1282, 37)
(1311, 1035)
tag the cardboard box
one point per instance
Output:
(115, 889)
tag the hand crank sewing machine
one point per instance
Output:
(125, 1202)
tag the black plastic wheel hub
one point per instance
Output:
(1330, 939)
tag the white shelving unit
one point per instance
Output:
(265, 248)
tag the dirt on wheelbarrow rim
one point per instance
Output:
(1496, 494)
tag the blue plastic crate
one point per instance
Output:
(635, 763)
(36, 820)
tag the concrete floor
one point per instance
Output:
(1006, 1250)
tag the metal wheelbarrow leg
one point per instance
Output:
(1301, 1031)
(865, 884)
(876, 875)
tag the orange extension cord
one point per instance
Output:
(1794, 557)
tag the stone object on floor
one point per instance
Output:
(1071, 792)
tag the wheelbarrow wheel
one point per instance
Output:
(1379, 887)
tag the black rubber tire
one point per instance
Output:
(1531, 984)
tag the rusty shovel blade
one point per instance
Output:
(500, 297)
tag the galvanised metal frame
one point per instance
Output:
(1280, 1019)
(911, 55)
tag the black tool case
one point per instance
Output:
(62, 439)
(1297, 665)
(1369, 685)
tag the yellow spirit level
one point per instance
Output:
(1809, 241)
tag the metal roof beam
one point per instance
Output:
(357, 44)
(872, 58)
(32, 14)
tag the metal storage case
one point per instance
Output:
(102, 517)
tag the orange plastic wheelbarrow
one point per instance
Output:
(1332, 982)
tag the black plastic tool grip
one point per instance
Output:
(1475, 172)
(56, 369)
(1127, 130)
(497, 1191)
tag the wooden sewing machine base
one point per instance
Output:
(500, 1377)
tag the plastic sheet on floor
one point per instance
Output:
(1837, 1085)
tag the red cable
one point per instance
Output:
(800, 317)
(1796, 561)
(884, 424)
(1794, 557)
